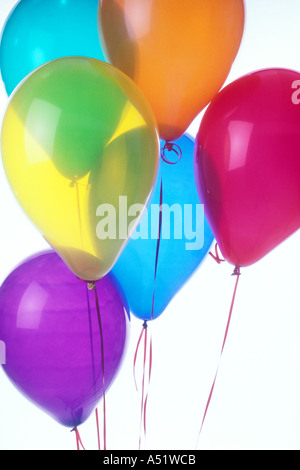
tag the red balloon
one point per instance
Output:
(247, 164)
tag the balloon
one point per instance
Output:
(38, 31)
(49, 324)
(77, 136)
(247, 164)
(184, 242)
(178, 52)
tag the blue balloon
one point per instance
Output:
(38, 31)
(185, 239)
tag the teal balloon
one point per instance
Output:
(38, 31)
(185, 239)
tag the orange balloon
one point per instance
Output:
(179, 52)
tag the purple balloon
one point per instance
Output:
(50, 326)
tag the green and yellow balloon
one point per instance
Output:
(78, 134)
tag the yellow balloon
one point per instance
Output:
(78, 141)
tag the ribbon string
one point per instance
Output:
(171, 147)
(102, 364)
(236, 273)
(146, 377)
(216, 256)
(98, 428)
(143, 383)
(157, 244)
(168, 147)
(149, 379)
(137, 351)
(92, 286)
(144, 332)
(78, 439)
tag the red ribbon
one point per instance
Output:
(216, 256)
(237, 273)
(78, 439)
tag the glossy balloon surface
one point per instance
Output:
(49, 324)
(38, 31)
(185, 239)
(78, 135)
(247, 164)
(179, 53)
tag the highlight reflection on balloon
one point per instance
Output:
(185, 239)
(179, 53)
(38, 31)
(49, 323)
(78, 134)
(247, 164)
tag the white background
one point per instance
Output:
(256, 402)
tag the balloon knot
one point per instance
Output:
(145, 324)
(91, 285)
(171, 147)
(236, 271)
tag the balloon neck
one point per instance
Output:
(236, 271)
(73, 182)
(145, 325)
(171, 148)
(91, 285)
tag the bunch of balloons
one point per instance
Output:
(77, 136)
(95, 147)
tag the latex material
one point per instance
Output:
(38, 31)
(178, 52)
(49, 324)
(247, 164)
(180, 252)
(78, 134)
